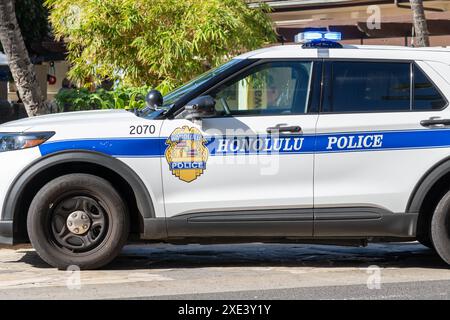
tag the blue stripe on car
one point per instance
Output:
(293, 144)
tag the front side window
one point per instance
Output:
(172, 97)
(368, 87)
(270, 88)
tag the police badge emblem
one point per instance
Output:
(186, 153)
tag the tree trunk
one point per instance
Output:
(420, 24)
(19, 62)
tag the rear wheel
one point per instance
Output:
(78, 219)
(440, 228)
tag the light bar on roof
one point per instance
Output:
(310, 36)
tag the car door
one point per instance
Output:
(248, 171)
(373, 145)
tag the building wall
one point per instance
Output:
(42, 70)
(315, 13)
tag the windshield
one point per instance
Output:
(172, 97)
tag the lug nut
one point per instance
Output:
(76, 230)
(74, 215)
(69, 223)
(84, 226)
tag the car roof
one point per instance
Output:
(439, 54)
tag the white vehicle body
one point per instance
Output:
(349, 175)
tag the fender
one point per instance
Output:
(426, 183)
(143, 199)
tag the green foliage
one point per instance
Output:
(32, 18)
(162, 43)
(83, 99)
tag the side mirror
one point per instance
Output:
(154, 99)
(201, 107)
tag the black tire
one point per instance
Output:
(440, 228)
(426, 242)
(71, 195)
(425, 238)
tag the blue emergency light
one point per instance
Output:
(319, 39)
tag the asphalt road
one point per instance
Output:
(422, 290)
(247, 271)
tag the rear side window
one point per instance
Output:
(426, 95)
(379, 87)
(368, 87)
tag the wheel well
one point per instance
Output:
(429, 203)
(48, 174)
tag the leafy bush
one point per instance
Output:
(32, 17)
(83, 99)
(162, 43)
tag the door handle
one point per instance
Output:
(283, 129)
(435, 122)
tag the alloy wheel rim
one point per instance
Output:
(78, 223)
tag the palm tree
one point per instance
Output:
(19, 62)
(420, 24)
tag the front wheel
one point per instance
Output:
(78, 220)
(426, 241)
(440, 228)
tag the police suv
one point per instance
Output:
(312, 142)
